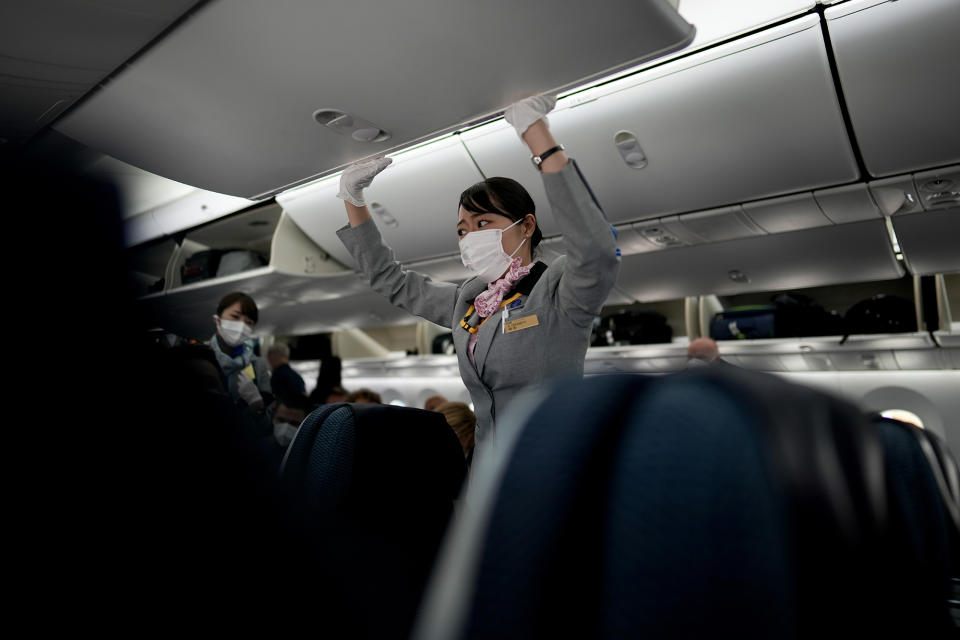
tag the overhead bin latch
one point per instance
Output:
(349, 125)
(629, 148)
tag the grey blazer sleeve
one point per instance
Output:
(414, 292)
(592, 263)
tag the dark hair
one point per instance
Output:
(505, 197)
(247, 306)
(365, 394)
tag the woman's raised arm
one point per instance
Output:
(528, 117)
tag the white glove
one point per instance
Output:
(524, 113)
(358, 177)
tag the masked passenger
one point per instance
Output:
(248, 377)
(518, 321)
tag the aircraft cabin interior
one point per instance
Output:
(786, 155)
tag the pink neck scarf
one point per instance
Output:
(489, 301)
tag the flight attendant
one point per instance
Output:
(518, 321)
(248, 377)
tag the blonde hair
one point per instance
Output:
(461, 420)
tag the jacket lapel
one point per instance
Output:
(461, 338)
(487, 331)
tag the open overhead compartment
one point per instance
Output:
(148, 265)
(898, 68)
(753, 118)
(260, 240)
(289, 304)
(248, 98)
(298, 287)
(414, 203)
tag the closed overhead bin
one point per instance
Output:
(898, 68)
(248, 98)
(753, 118)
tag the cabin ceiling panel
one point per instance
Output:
(790, 213)
(53, 52)
(851, 203)
(755, 118)
(226, 101)
(898, 67)
(857, 252)
(717, 225)
(930, 241)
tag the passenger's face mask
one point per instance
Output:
(482, 252)
(284, 433)
(233, 332)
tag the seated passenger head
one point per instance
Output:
(337, 394)
(278, 354)
(433, 402)
(703, 349)
(365, 396)
(462, 420)
(236, 316)
(287, 420)
(501, 203)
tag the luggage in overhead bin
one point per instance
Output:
(237, 260)
(790, 316)
(216, 263)
(200, 266)
(633, 327)
(881, 314)
(798, 315)
(748, 322)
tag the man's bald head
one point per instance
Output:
(703, 349)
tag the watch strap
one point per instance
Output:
(538, 160)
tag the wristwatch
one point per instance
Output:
(538, 160)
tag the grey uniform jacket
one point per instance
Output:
(558, 312)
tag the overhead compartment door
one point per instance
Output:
(226, 102)
(898, 68)
(751, 119)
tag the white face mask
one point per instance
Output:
(234, 332)
(482, 252)
(284, 433)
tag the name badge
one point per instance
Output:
(517, 324)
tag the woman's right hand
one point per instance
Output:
(358, 177)
(524, 113)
